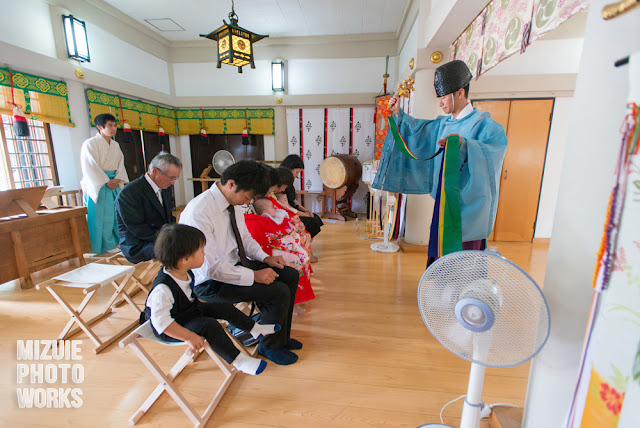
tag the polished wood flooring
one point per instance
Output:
(368, 359)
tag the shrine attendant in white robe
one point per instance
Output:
(103, 175)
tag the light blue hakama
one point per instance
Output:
(101, 218)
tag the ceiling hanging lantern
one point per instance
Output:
(235, 44)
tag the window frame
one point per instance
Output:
(5, 153)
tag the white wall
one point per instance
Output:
(338, 76)
(408, 51)
(204, 79)
(68, 141)
(553, 166)
(542, 57)
(183, 151)
(116, 58)
(270, 148)
(439, 11)
(27, 24)
(586, 181)
(304, 77)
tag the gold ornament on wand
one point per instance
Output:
(405, 87)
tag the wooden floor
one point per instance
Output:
(368, 360)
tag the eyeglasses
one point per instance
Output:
(170, 178)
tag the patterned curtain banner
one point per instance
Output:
(363, 147)
(295, 145)
(347, 130)
(549, 14)
(468, 47)
(382, 113)
(40, 98)
(452, 49)
(314, 147)
(338, 128)
(506, 23)
(505, 27)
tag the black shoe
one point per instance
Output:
(281, 357)
(294, 344)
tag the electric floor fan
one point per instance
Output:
(388, 221)
(222, 159)
(486, 310)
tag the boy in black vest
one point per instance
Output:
(178, 316)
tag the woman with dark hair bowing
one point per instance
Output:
(311, 221)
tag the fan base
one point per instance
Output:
(436, 426)
(384, 247)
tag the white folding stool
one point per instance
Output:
(166, 379)
(140, 282)
(90, 278)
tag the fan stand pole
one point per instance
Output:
(473, 403)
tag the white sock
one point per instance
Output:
(260, 330)
(249, 365)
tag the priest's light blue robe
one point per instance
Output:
(481, 156)
(101, 160)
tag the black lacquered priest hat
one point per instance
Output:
(450, 77)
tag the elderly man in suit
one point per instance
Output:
(144, 206)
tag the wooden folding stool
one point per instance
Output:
(138, 282)
(166, 379)
(90, 278)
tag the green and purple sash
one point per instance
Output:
(446, 229)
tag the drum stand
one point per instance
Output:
(339, 196)
(334, 195)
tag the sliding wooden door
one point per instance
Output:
(527, 126)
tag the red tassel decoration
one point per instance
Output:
(162, 137)
(128, 136)
(203, 136)
(20, 125)
(245, 137)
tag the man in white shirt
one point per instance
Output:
(227, 273)
(144, 206)
(103, 175)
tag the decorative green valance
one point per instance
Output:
(138, 114)
(225, 121)
(145, 116)
(39, 97)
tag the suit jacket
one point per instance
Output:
(140, 216)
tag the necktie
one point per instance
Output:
(234, 226)
(159, 195)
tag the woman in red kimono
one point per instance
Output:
(278, 234)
